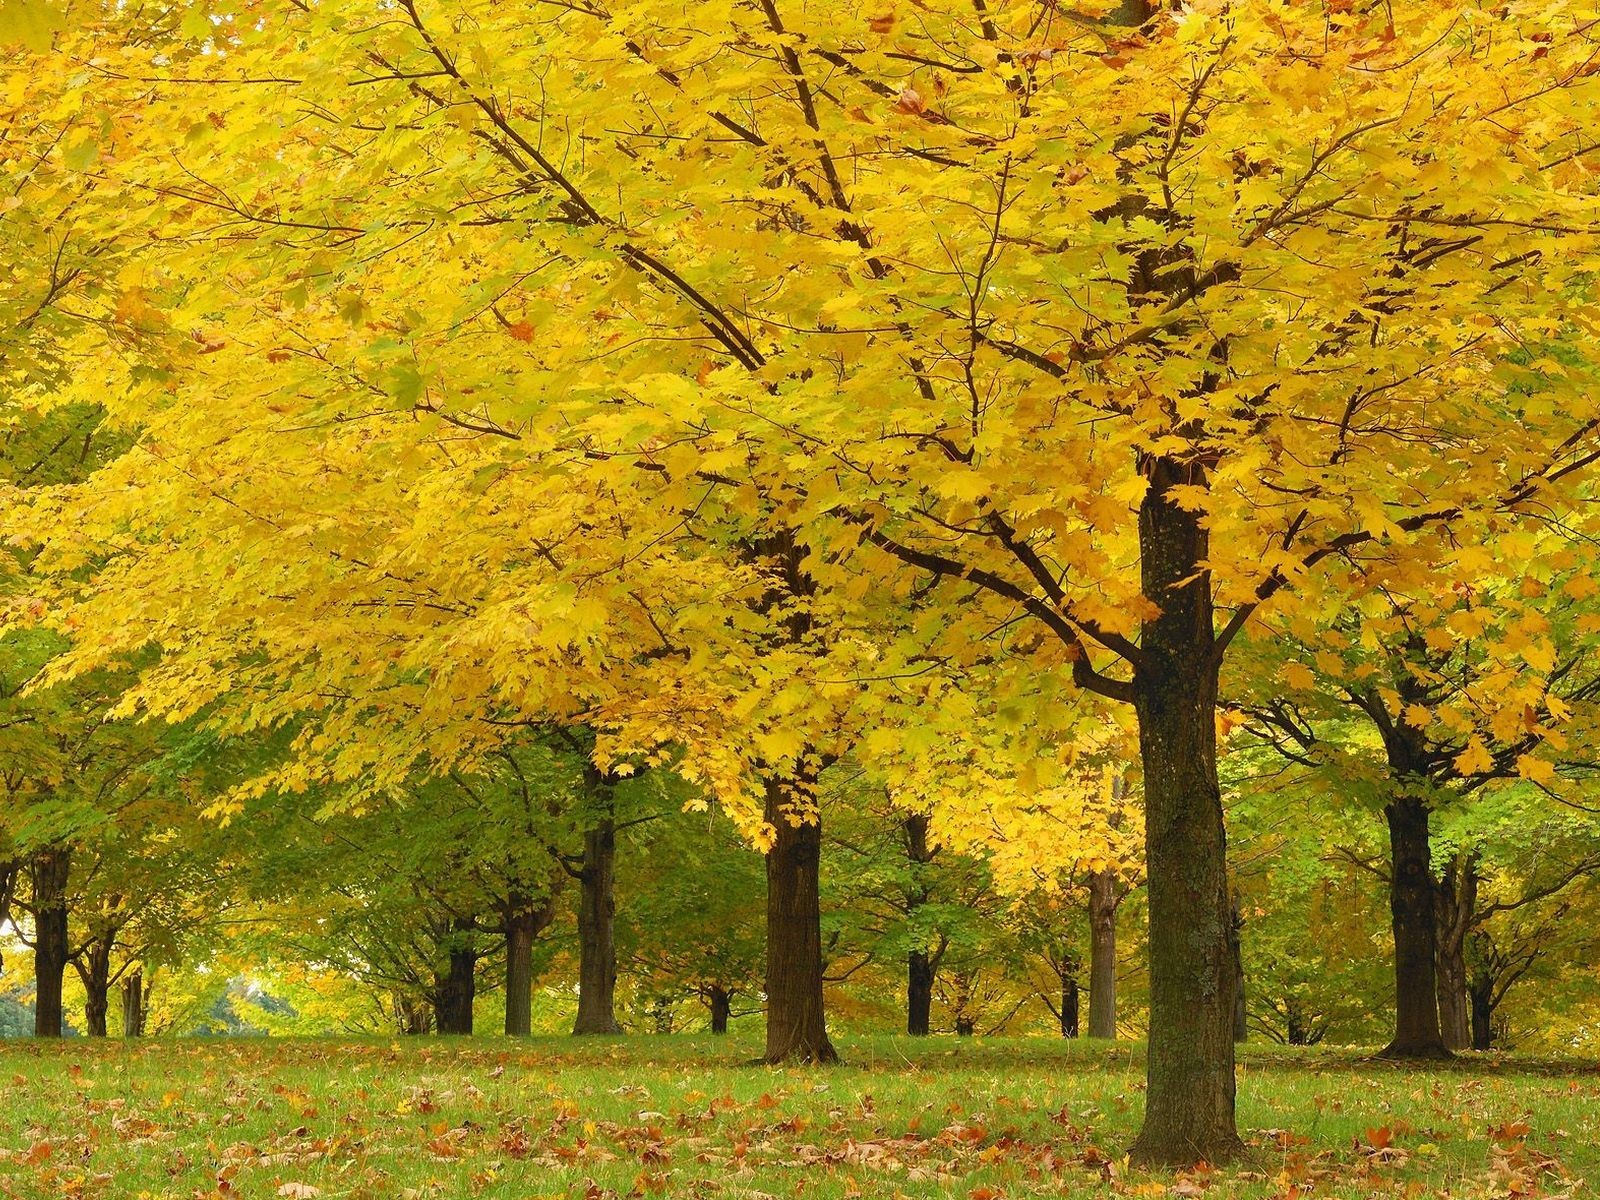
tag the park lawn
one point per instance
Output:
(687, 1117)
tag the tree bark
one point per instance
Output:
(1455, 905)
(95, 970)
(797, 1029)
(1069, 1008)
(919, 993)
(133, 1005)
(1241, 1027)
(721, 1007)
(1411, 907)
(1189, 1096)
(410, 1015)
(597, 912)
(453, 1004)
(1482, 1016)
(1103, 902)
(49, 871)
(524, 921)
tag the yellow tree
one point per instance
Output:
(1122, 332)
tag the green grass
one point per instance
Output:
(686, 1117)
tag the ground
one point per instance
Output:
(688, 1117)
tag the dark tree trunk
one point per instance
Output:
(721, 1007)
(1482, 1015)
(524, 921)
(797, 1029)
(1411, 906)
(411, 1015)
(133, 1005)
(597, 912)
(459, 988)
(1069, 1008)
(1241, 1028)
(919, 993)
(94, 969)
(965, 1025)
(1103, 903)
(49, 871)
(1455, 905)
(1189, 1097)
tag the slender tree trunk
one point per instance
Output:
(1455, 905)
(1069, 1007)
(1189, 1095)
(49, 871)
(95, 971)
(597, 912)
(410, 1015)
(1482, 1015)
(1411, 906)
(1103, 903)
(1455, 1028)
(797, 1029)
(522, 926)
(919, 992)
(133, 1004)
(459, 987)
(721, 1008)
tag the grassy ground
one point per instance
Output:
(683, 1117)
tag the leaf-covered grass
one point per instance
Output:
(687, 1117)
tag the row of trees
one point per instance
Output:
(979, 401)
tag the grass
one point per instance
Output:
(685, 1117)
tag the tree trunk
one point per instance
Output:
(721, 1007)
(919, 992)
(1411, 906)
(1455, 905)
(1069, 1008)
(459, 988)
(95, 971)
(597, 911)
(1482, 1016)
(133, 1005)
(1189, 1096)
(522, 926)
(410, 1015)
(797, 1029)
(1103, 902)
(49, 871)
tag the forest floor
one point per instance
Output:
(204, 1119)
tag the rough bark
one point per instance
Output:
(1411, 906)
(1190, 1087)
(1482, 1015)
(797, 1029)
(1455, 905)
(1241, 1027)
(597, 912)
(94, 968)
(919, 993)
(458, 989)
(1068, 1015)
(411, 1015)
(48, 874)
(524, 921)
(721, 1001)
(1103, 902)
(133, 1004)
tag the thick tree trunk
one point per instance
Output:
(919, 992)
(797, 1029)
(522, 926)
(458, 989)
(1189, 1096)
(133, 1004)
(1482, 1016)
(1411, 906)
(1103, 902)
(1068, 1015)
(1454, 1017)
(721, 1008)
(49, 871)
(597, 912)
